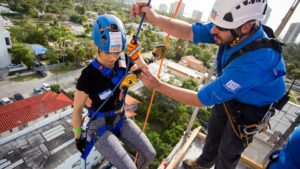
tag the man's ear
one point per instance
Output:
(246, 28)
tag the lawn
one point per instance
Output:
(24, 78)
(63, 69)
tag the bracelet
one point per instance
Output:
(77, 130)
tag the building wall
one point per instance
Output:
(173, 8)
(199, 66)
(163, 7)
(197, 15)
(5, 44)
(292, 33)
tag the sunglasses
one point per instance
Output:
(222, 29)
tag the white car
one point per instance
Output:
(5, 101)
(46, 86)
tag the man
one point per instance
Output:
(249, 80)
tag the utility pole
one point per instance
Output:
(286, 18)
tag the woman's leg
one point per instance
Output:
(110, 147)
(132, 135)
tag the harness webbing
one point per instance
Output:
(109, 73)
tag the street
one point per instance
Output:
(65, 80)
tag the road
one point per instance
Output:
(65, 80)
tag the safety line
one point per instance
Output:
(158, 75)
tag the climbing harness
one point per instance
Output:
(246, 131)
(116, 80)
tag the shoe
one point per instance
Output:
(192, 164)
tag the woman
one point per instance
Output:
(109, 125)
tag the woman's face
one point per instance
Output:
(108, 59)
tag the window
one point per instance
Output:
(7, 41)
(46, 116)
(11, 130)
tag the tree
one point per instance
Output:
(22, 53)
(190, 84)
(55, 88)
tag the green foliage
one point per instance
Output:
(70, 95)
(190, 84)
(80, 19)
(291, 56)
(80, 9)
(26, 7)
(22, 53)
(55, 88)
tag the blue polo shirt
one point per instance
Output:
(255, 78)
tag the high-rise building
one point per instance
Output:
(197, 15)
(292, 33)
(268, 12)
(5, 44)
(173, 8)
(163, 8)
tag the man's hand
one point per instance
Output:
(140, 8)
(149, 80)
(81, 144)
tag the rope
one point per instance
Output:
(158, 75)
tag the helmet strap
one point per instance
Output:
(236, 38)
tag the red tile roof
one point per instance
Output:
(24, 111)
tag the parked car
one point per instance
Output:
(11, 66)
(18, 96)
(5, 100)
(41, 73)
(37, 91)
(46, 86)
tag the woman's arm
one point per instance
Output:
(79, 101)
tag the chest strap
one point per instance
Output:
(113, 76)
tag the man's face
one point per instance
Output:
(222, 36)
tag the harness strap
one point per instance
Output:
(109, 73)
(272, 43)
(244, 137)
(88, 148)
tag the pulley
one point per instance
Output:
(159, 52)
(128, 81)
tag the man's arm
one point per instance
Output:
(181, 95)
(174, 27)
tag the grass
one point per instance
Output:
(24, 78)
(62, 69)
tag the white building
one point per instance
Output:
(5, 44)
(173, 8)
(163, 7)
(292, 33)
(197, 15)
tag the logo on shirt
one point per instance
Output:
(103, 95)
(232, 86)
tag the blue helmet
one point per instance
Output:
(109, 34)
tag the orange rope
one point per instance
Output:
(158, 75)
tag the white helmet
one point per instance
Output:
(231, 14)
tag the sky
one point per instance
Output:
(279, 10)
